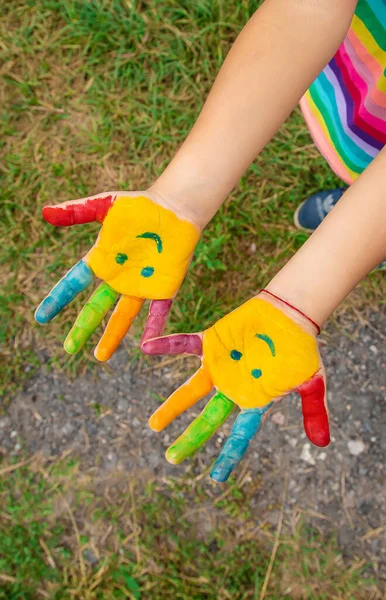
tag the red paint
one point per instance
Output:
(156, 319)
(78, 211)
(180, 343)
(315, 415)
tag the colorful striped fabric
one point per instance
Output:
(345, 107)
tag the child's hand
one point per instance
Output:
(253, 357)
(142, 252)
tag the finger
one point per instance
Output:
(74, 282)
(75, 212)
(179, 343)
(246, 426)
(315, 416)
(91, 315)
(158, 315)
(117, 327)
(201, 429)
(198, 386)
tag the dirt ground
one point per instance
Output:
(103, 417)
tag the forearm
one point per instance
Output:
(275, 58)
(345, 247)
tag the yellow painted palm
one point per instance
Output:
(142, 252)
(253, 357)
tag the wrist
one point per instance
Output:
(286, 306)
(176, 204)
(194, 185)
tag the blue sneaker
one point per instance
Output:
(312, 211)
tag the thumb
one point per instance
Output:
(314, 408)
(75, 212)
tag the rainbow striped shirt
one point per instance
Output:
(345, 107)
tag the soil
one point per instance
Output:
(102, 416)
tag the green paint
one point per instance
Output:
(90, 318)
(147, 271)
(256, 373)
(201, 429)
(121, 258)
(268, 341)
(148, 235)
(235, 354)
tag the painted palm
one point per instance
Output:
(253, 357)
(142, 252)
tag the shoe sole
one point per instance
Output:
(296, 219)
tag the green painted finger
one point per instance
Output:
(201, 429)
(90, 317)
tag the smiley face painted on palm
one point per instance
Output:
(143, 253)
(254, 357)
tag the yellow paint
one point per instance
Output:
(128, 218)
(296, 359)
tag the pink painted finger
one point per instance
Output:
(315, 416)
(180, 343)
(76, 212)
(158, 315)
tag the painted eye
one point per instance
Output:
(147, 271)
(256, 373)
(121, 258)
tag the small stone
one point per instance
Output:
(90, 557)
(135, 422)
(306, 454)
(322, 456)
(166, 438)
(356, 447)
(13, 434)
(374, 349)
(123, 404)
(293, 442)
(278, 418)
(252, 248)
(17, 447)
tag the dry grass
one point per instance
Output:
(85, 536)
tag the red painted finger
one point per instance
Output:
(180, 343)
(314, 409)
(76, 212)
(158, 315)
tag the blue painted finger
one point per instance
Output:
(245, 427)
(74, 282)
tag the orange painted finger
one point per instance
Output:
(117, 327)
(198, 386)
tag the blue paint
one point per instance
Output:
(74, 282)
(235, 354)
(245, 427)
(256, 373)
(268, 340)
(147, 271)
(148, 235)
(121, 258)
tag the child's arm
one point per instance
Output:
(273, 61)
(265, 349)
(344, 248)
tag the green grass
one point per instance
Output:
(66, 534)
(97, 96)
